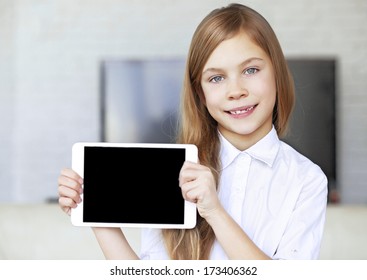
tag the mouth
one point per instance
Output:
(242, 110)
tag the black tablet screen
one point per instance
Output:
(133, 185)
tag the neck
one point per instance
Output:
(244, 141)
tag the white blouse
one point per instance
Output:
(274, 193)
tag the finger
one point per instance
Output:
(67, 204)
(191, 191)
(70, 173)
(192, 171)
(188, 172)
(192, 197)
(192, 165)
(70, 183)
(69, 193)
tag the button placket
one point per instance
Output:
(239, 184)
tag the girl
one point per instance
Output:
(257, 198)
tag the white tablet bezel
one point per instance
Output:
(191, 154)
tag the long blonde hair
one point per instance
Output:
(196, 124)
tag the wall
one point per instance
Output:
(49, 74)
(7, 104)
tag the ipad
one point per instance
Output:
(132, 185)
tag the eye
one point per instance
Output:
(216, 79)
(250, 71)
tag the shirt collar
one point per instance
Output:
(264, 150)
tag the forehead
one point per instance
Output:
(238, 48)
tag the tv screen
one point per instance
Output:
(140, 100)
(312, 128)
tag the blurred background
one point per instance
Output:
(57, 61)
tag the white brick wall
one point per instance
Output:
(49, 84)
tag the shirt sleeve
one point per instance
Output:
(152, 246)
(303, 233)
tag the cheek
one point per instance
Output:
(212, 100)
(267, 89)
(269, 96)
(205, 97)
(272, 92)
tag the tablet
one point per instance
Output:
(132, 185)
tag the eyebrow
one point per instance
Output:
(242, 64)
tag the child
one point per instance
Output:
(257, 198)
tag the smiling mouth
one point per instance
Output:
(242, 111)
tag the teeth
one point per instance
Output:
(241, 111)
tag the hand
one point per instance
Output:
(198, 185)
(70, 189)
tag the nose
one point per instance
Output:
(237, 89)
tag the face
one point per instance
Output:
(239, 89)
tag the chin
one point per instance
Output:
(259, 130)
